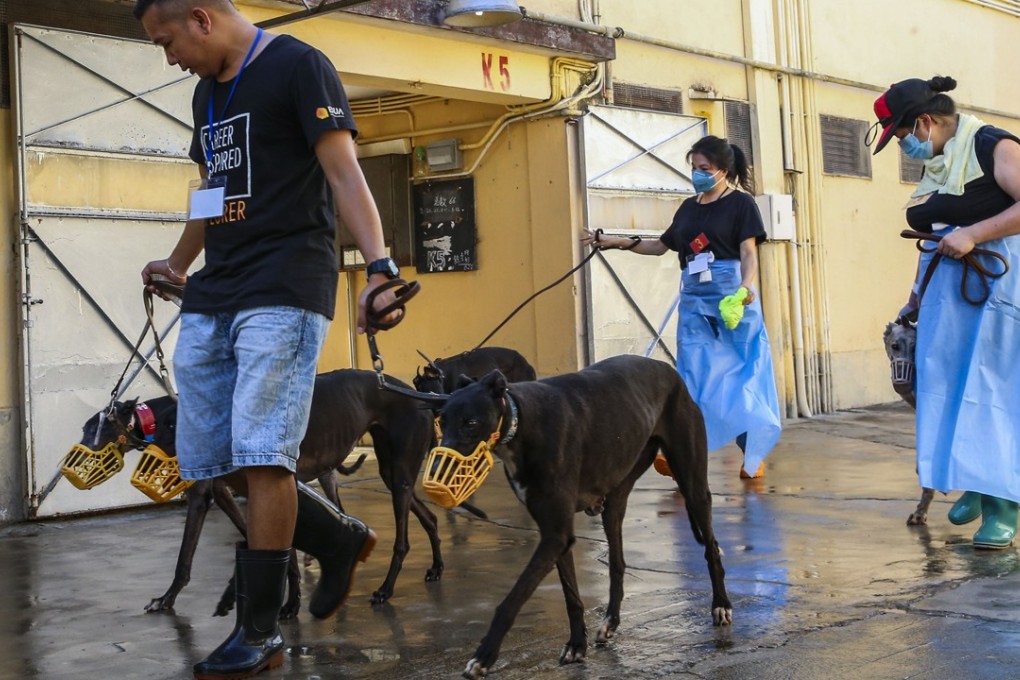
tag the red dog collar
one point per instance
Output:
(147, 421)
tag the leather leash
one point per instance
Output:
(374, 319)
(170, 289)
(969, 261)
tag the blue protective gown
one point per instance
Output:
(968, 378)
(728, 373)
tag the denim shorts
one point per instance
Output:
(245, 384)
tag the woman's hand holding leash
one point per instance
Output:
(597, 239)
(956, 243)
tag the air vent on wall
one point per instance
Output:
(843, 150)
(643, 97)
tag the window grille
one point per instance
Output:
(643, 97)
(738, 127)
(910, 168)
(843, 150)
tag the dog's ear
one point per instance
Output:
(496, 382)
(126, 407)
(888, 330)
(463, 381)
(432, 401)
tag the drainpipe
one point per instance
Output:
(793, 254)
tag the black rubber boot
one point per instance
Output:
(337, 541)
(256, 643)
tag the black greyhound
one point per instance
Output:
(345, 405)
(440, 376)
(581, 442)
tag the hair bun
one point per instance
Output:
(942, 84)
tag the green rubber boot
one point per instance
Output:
(966, 509)
(998, 523)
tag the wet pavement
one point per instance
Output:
(827, 581)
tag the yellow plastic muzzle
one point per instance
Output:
(451, 477)
(86, 468)
(158, 475)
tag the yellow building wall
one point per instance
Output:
(12, 462)
(527, 198)
(523, 213)
(869, 267)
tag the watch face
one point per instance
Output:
(384, 266)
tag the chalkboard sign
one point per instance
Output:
(444, 229)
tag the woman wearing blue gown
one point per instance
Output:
(968, 326)
(725, 362)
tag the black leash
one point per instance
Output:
(635, 240)
(377, 362)
(969, 262)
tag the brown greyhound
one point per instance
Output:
(345, 405)
(577, 442)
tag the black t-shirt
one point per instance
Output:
(982, 198)
(725, 222)
(274, 244)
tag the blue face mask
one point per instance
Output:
(704, 180)
(915, 148)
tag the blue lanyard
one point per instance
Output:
(233, 88)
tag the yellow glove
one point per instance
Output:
(732, 308)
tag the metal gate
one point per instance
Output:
(636, 175)
(103, 127)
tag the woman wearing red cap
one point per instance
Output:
(968, 333)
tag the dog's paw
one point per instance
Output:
(475, 670)
(722, 616)
(606, 631)
(573, 653)
(223, 608)
(917, 519)
(160, 604)
(434, 574)
(290, 610)
(381, 595)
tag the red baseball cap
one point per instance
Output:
(898, 103)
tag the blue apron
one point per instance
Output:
(728, 373)
(968, 378)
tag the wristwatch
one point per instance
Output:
(385, 266)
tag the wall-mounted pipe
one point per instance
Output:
(622, 34)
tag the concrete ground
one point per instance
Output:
(827, 581)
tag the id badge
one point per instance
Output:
(206, 197)
(698, 264)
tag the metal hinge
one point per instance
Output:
(29, 301)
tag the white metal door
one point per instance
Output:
(103, 127)
(636, 174)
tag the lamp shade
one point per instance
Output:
(478, 13)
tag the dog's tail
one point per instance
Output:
(350, 470)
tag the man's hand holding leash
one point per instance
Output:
(381, 300)
(161, 279)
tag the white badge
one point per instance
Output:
(699, 263)
(206, 197)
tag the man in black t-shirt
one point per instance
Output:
(274, 140)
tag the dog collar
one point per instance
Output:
(511, 429)
(146, 421)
